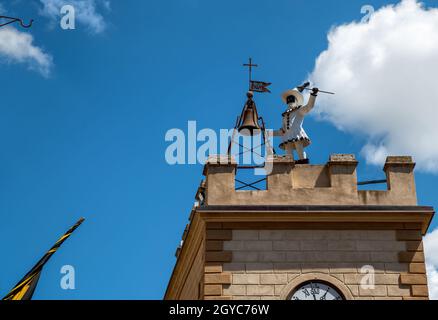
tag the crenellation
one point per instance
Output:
(288, 183)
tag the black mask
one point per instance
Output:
(290, 99)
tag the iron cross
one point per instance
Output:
(250, 65)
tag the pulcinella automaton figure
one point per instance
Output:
(293, 135)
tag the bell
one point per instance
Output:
(248, 124)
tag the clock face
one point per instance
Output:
(316, 290)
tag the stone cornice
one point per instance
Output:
(319, 214)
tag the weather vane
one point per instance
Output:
(256, 86)
(12, 20)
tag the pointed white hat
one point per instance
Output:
(295, 93)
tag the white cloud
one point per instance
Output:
(18, 47)
(431, 252)
(384, 75)
(432, 279)
(86, 12)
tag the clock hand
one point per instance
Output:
(325, 294)
(312, 291)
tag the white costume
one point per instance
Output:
(293, 135)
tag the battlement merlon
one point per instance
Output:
(333, 183)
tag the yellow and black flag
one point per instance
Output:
(26, 286)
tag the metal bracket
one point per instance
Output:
(249, 185)
(364, 183)
(12, 20)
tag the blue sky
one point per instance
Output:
(88, 140)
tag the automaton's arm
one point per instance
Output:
(311, 103)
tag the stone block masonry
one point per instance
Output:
(264, 262)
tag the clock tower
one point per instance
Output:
(311, 235)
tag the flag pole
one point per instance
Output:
(28, 282)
